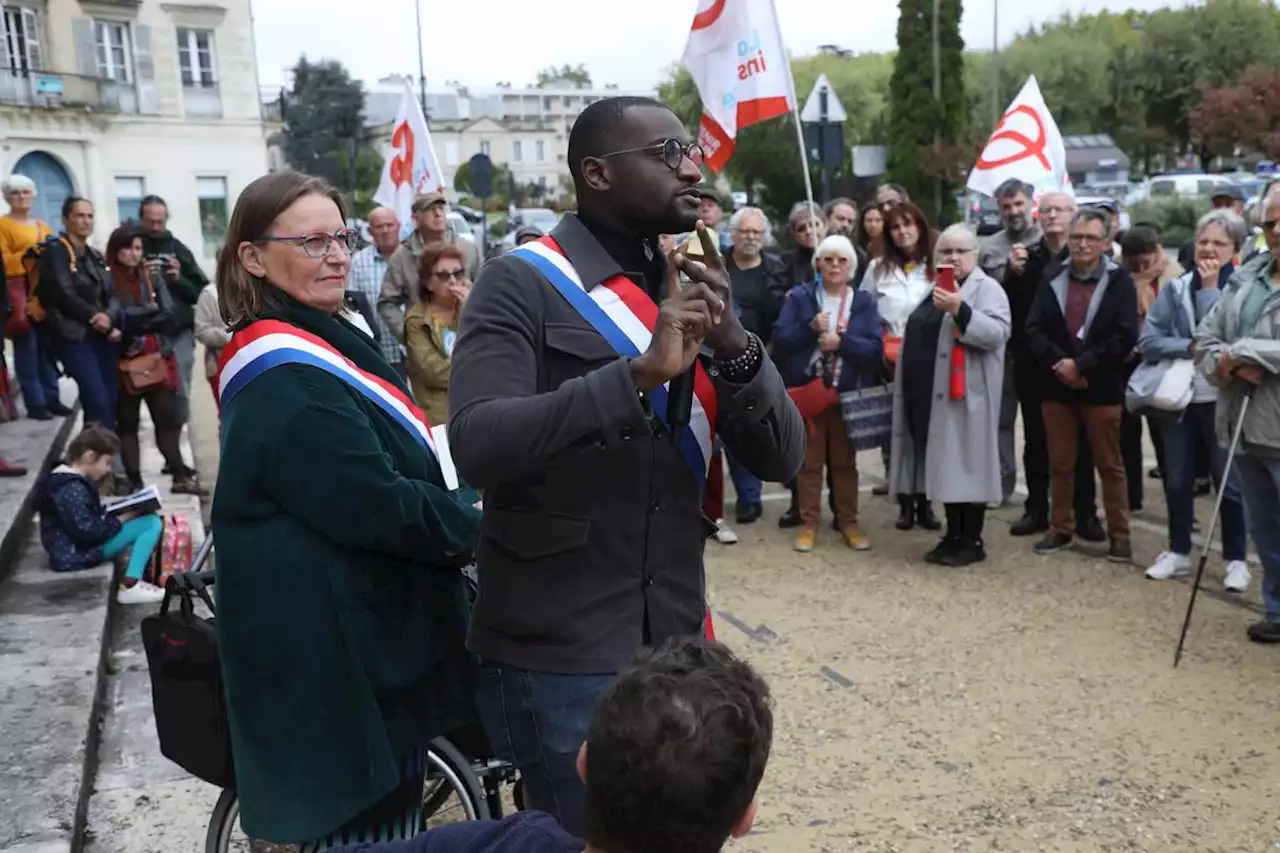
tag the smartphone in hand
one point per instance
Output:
(946, 277)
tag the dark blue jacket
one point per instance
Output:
(524, 832)
(73, 524)
(794, 339)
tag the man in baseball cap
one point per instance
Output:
(400, 284)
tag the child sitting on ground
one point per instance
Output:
(78, 533)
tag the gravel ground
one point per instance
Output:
(1027, 703)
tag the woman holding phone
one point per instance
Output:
(946, 397)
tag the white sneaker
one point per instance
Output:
(1169, 565)
(1238, 576)
(140, 593)
(725, 535)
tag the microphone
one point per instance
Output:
(680, 403)
(680, 389)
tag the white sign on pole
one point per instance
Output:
(812, 112)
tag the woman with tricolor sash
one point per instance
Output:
(341, 531)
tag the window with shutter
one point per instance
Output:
(115, 60)
(20, 40)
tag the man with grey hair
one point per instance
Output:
(889, 196)
(759, 282)
(1082, 329)
(842, 218)
(1020, 232)
(364, 281)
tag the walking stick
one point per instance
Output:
(1213, 520)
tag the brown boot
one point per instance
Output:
(8, 469)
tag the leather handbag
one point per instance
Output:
(143, 372)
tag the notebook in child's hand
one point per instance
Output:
(142, 502)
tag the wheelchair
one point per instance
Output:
(462, 781)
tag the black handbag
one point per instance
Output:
(186, 683)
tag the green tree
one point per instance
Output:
(323, 128)
(577, 75)
(928, 137)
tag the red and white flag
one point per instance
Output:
(1026, 145)
(736, 58)
(411, 167)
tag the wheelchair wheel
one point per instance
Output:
(451, 790)
(226, 836)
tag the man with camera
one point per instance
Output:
(166, 254)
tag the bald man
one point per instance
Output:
(364, 282)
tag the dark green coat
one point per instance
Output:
(341, 610)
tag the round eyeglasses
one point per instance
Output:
(316, 243)
(672, 152)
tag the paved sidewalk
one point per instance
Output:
(142, 802)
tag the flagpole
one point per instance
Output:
(422, 71)
(795, 114)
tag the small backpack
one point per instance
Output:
(30, 310)
(174, 553)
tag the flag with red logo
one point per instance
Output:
(411, 167)
(1026, 145)
(736, 58)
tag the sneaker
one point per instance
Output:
(790, 518)
(140, 593)
(966, 554)
(805, 540)
(1120, 551)
(1052, 543)
(855, 538)
(1029, 525)
(1090, 530)
(948, 544)
(1266, 631)
(725, 535)
(1238, 576)
(1170, 565)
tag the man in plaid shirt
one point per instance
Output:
(368, 266)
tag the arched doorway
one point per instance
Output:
(53, 185)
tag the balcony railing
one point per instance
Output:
(54, 90)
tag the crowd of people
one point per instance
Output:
(557, 378)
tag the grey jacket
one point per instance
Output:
(1221, 331)
(993, 254)
(592, 537)
(400, 282)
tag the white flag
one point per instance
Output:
(1026, 145)
(736, 58)
(411, 167)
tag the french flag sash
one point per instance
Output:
(625, 316)
(265, 344)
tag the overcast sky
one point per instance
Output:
(481, 42)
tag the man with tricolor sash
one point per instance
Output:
(568, 354)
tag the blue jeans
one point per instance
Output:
(1180, 439)
(92, 364)
(538, 721)
(36, 373)
(745, 484)
(1260, 483)
(143, 533)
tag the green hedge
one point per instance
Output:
(1175, 219)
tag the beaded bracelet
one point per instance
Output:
(744, 366)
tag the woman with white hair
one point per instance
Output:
(946, 398)
(829, 333)
(19, 231)
(1169, 333)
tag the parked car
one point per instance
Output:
(542, 218)
(461, 226)
(1191, 185)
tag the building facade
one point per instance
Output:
(116, 99)
(526, 130)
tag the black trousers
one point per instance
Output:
(965, 522)
(1131, 453)
(1028, 383)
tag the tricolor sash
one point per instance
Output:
(624, 315)
(265, 344)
